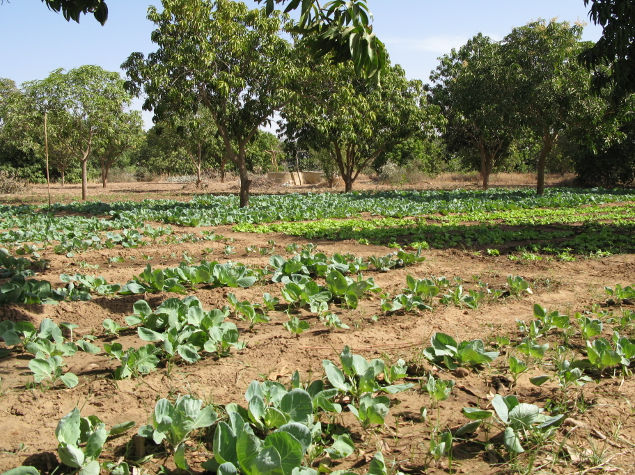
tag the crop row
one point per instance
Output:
(579, 239)
(289, 426)
(208, 210)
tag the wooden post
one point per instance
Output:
(46, 155)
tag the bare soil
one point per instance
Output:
(599, 435)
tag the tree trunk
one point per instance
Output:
(84, 179)
(547, 145)
(223, 162)
(199, 164)
(486, 165)
(348, 183)
(244, 190)
(105, 169)
(62, 172)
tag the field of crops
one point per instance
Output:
(368, 333)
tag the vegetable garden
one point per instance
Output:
(368, 332)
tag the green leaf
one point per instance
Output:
(247, 449)
(71, 456)
(95, 443)
(297, 404)
(267, 462)
(121, 428)
(342, 447)
(179, 457)
(475, 413)
(68, 429)
(511, 440)
(335, 376)
(70, 380)
(288, 448)
(91, 468)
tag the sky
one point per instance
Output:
(37, 41)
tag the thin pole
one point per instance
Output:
(46, 154)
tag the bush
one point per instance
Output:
(409, 174)
(608, 166)
(10, 183)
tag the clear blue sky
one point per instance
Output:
(416, 32)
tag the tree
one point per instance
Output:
(341, 27)
(83, 102)
(122, 133)
(20, 134)
(550, 88)
(474, 95)
(72, 9)
(220, 56)
(615, 49)
(356, 120)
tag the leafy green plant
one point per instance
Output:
(619, 294)
(359, 376)
(518, 420)
(81, 441)
(518, 286)
(348, 290)
(446, 350)
(295, 326)
(302, 291)
(332, 321)
(173, 423)
(589, 327)
(111, 327)
(246, 311)
(90, 284)
(30, 291)
(238, 450)
(134, 362)
(52, 369)
(516, 367)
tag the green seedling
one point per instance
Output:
(371, 410)
(332, 322)
(295, 326)
(52, 369)
(446, 350)
(81, 441)
(518, 286)
(173, 423)
(518, 421)
(516, 367)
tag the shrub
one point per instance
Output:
(10, 183)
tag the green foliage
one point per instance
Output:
(174, 423)
(446, 350)
(81, 441)
(358, 376)
(518, 421)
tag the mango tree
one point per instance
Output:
(472, 90)
(549, 88)
(221, 56)
(357, 121)
(83, 102)
(342, 27)
(122, 133)
(615, 49)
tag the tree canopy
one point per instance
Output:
(221, 56)
(357, 121)
(613, 56)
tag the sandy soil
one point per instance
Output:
(602, 432)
